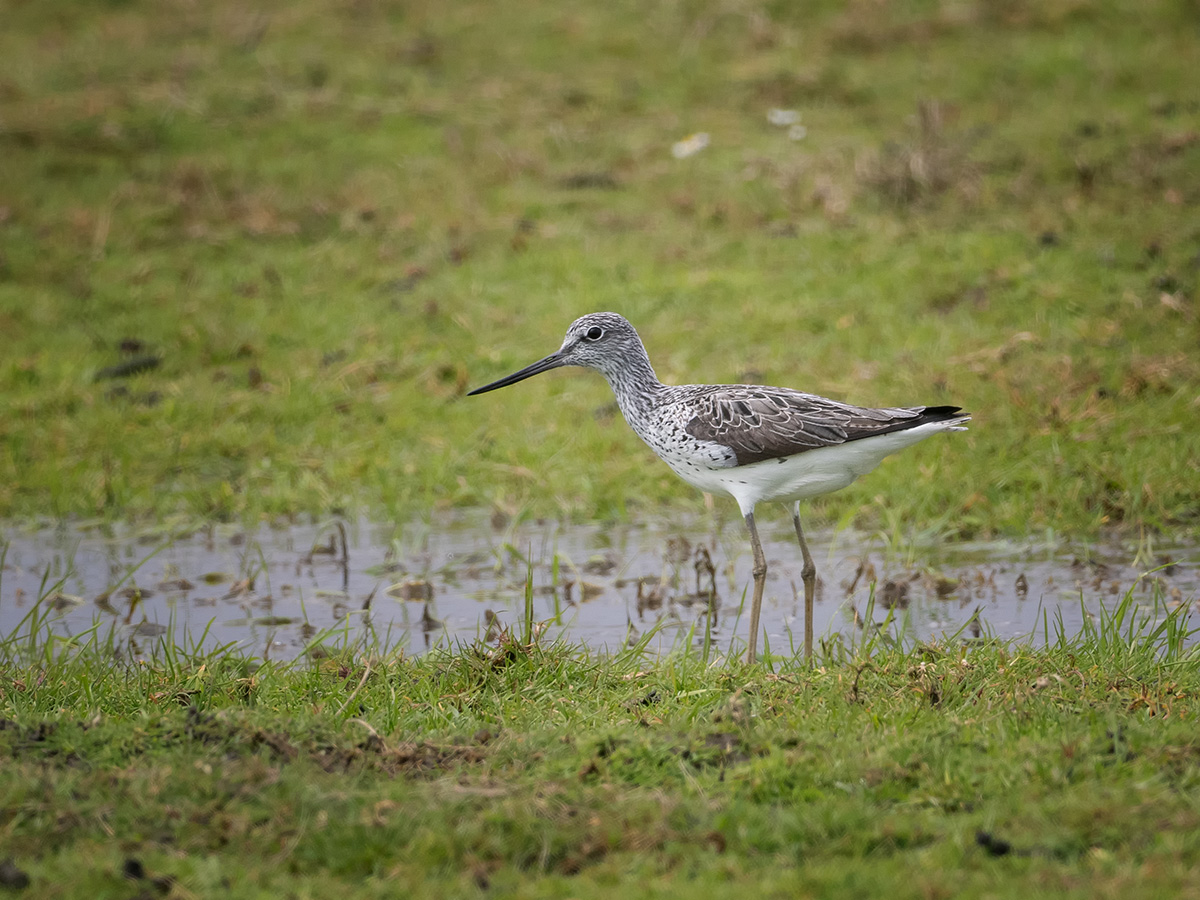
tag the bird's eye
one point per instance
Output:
(594, 333)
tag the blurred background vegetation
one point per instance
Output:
(252, 258)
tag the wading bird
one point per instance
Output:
(755, 443)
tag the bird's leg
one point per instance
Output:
(760, 579)
(808, 575)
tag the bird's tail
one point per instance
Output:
(952, 416)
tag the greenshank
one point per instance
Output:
(752, 442)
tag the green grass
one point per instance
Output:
(540, 770)
(329, 219)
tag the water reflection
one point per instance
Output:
(278, 592)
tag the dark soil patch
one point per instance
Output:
(237, 739)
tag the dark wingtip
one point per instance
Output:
(942, 413)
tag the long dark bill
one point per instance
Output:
(553, 361)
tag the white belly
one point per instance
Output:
(804, 475)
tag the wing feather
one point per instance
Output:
(759, 423)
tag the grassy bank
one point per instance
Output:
(516, 769)
(308, 228)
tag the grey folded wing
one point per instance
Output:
(759, 423)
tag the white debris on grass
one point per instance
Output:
(690, 145)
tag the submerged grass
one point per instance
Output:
(252, 259)
(518, 766)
